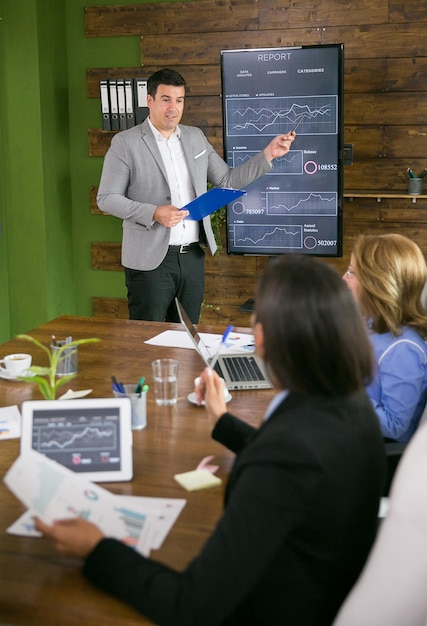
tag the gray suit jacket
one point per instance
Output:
(134, 183)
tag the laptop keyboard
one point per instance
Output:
(242, 368)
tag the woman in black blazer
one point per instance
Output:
(302, 498)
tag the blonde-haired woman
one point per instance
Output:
(387, 274)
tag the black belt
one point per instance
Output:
(186, 247)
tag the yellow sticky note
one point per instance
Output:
(197, 479)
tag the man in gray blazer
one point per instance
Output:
(152, 170)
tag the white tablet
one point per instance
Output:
(92, 437)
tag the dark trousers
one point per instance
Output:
(151, 294)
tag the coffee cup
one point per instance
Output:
(15, 364)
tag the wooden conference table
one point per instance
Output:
(37, 585)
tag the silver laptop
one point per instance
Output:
(240, 371)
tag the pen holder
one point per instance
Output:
(415, 186)
(68, 362)
(139, 405)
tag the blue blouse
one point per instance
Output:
(399, 389)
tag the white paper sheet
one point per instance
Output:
(52, 491)
(236, 342)
(10, 422)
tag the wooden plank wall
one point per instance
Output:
(385, 105)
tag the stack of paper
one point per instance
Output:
(51, 492)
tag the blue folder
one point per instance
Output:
(211, 201)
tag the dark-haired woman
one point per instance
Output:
(302, 498)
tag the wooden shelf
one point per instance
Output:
(379, 195)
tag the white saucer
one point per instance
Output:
(6, 376)
(193, 398)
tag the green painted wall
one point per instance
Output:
(46, 228)
(85, 113)
(35, 194)
(4, 278)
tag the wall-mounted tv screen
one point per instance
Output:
(297, 207)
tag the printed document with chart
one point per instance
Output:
(51, 491)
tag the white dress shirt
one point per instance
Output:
(180, 185)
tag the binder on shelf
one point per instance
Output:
(121, 103)
(140, 99)
(105, 105)
(130, 115)
(114, 107)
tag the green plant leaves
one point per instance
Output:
(45, 377)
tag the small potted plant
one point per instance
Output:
(46, 377)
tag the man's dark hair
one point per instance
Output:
(164, 77)
(314, 338)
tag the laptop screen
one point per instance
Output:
(198, 341)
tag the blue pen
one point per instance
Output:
(223, 340)
(118, 387)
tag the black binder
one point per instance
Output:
(105, 105)
(130, 115)
(114, 107)
(140, 99)
(121, 103)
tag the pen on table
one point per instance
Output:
(117, 386)
(410, 173)
(223, 340)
